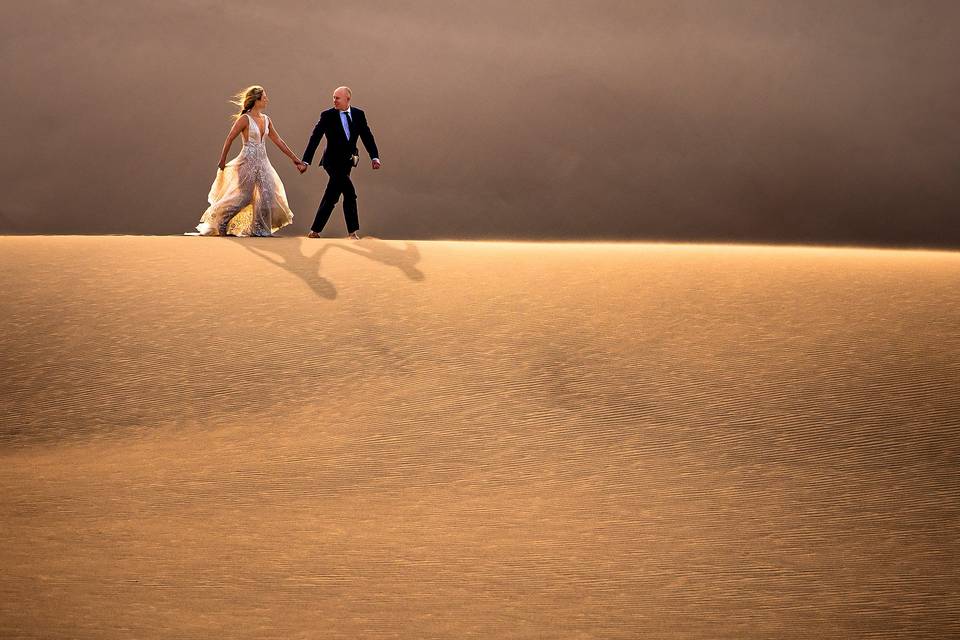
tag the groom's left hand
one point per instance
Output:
(376, 164)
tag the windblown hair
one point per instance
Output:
(246, 98)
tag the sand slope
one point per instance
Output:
(283, 438)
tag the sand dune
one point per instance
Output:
(282, 438)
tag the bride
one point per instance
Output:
(247, 197)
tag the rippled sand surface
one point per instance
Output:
(289, 438)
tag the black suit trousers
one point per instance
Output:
(338, 184)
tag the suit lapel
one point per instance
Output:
(338, 121)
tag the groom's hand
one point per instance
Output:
(376, 163)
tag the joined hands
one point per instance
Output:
(302, 166)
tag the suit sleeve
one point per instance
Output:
(368, 142)
(314, 142)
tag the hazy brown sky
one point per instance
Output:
(750, 120)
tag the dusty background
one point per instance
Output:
(490, 440)
(821, 121)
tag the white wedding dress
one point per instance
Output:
(247, 197)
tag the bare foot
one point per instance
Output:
(353, 236)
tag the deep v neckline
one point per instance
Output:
(260, 132)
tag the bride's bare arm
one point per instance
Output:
(238, 126)
(277, 140)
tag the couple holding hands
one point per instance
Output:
(247, 197)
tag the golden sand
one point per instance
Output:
(290, 438)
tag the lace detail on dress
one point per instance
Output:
(247, 198)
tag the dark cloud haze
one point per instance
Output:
(825, 122)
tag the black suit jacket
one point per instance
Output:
(337, 153)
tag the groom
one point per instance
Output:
(342, 125)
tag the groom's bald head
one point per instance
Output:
(341, 98)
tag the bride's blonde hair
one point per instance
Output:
(246, 98)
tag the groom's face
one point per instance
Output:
(340, 100)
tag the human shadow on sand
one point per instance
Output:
(288, 256)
